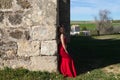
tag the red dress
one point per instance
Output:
(66, 64)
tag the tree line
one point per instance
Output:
(104, 23)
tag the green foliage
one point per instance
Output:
(93, 32)
(89, 26)
(84, 28)
(81, 34)
(92, 27)
(116, 21)
(116, 24)
(24, 74)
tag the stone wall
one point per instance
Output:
(28, 34)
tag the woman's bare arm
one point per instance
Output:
(63, 42)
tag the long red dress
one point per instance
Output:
(66, 64)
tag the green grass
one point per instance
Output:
(23, 74)
(91, 55)
(89, 24)
(113, 37)
(94, 53)
(116, 24)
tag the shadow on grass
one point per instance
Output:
(89, 53)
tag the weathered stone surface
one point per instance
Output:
(15, 19)
(17, 34)
(11, 53)
(15, 6)
(49, 47)
(28, 33)
(17, 63)
(25, 4)
(43, 32)
(1, 33)
(34, 16)
(28, 48)
(5, 4)
(14, 34)
(44, 63)
(1, 64)
(1, 16)
(42, 14)
(51, 12)
(8, 49)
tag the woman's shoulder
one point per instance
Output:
(62, 36)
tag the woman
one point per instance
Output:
(66, 64)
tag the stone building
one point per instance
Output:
(28, 33)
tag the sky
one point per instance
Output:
(86, 10)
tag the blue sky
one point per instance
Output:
(88, 9)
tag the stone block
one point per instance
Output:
(43, 32)
(42, 14)
(8, 49)
(17, 63)
(49, 47)
(28, 48)
(51, 12)
(1, 33)
(1, 64)
(25, 4)
(15, 19)
(34, 17)
(5, 4)
(44, 63)
(1, 16)
(16, 34)
(11, 53)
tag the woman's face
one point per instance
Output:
(62, 30)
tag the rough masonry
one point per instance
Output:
(28, 33)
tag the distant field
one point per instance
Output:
(116, 24)
(90, 25)
(85, 24)
(79, 22)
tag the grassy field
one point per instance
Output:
(93, 54)
(95, 57)
(83, 24)
(90, 25)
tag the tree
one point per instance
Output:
(104, 23)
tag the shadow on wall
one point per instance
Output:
(89, 53)
(64, 15)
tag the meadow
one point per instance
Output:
(90, 25)
(85, 24)
(95, 57)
